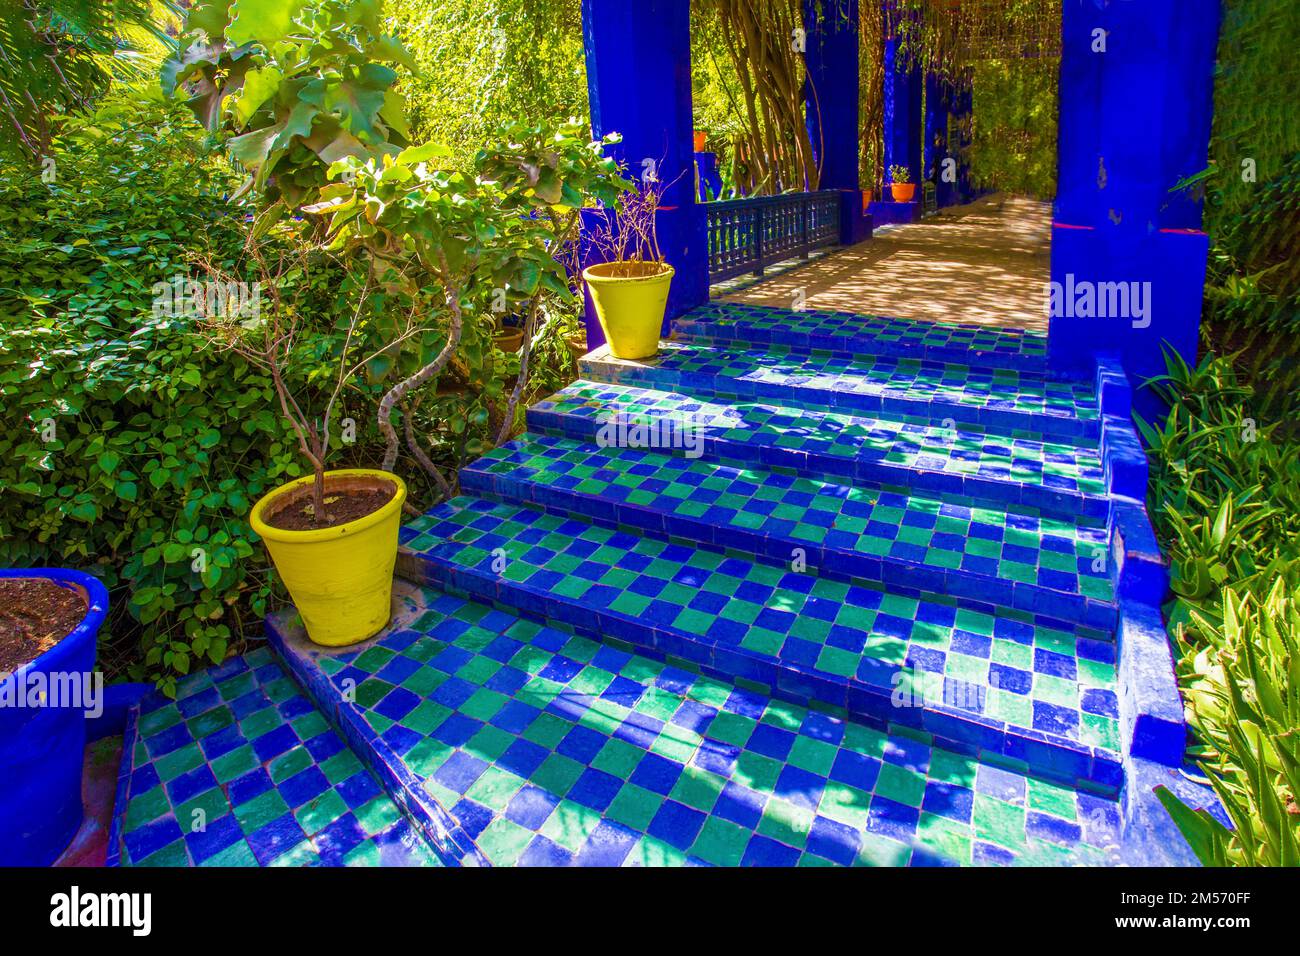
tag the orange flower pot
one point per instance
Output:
(902, 192)
(700, 139)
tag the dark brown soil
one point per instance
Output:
(35, 614)
(342, 504)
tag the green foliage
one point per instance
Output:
(1225, 499)
(298, 86)
(1252, 199)
(131, 445)
(1013, 137)
(481, 64)
(58, 55)
(1246, 705)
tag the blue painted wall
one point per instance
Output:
(1135, 118)
(831, 105)
(902, 114)
(831, 89)
(935, 145)
(638, 58)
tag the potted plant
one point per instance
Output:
(509, 338)
(901, 186)
(630, 288)
(49, 620)
(332, 535)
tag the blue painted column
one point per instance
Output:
(638, 58)
(831, 104)
(1136, 102)
(902, 113)
(935, 147)
(961, 106)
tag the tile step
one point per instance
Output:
(850, 333)
(1002, 682)
(938, 544)
(546, 747)
(275, 785)
(1053, 476)
(993, 398)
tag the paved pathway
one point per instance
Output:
(985, 263)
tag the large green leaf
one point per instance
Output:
(262, 21)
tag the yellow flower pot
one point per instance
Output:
(630, 307)
(340, 578)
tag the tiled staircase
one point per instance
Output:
(806, 588)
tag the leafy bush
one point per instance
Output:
(1225, 498)
(129, 447)
(480, 64)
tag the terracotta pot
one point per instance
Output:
(902, 192)
(700, 139)
(510, 340)
(868, 197)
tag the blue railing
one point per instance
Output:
(747, 235)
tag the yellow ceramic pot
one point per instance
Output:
(630, 308)
(340, 578)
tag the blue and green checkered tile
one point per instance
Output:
(940, 543)
(242, 770)
(1005, 681)
(555, 749)
(1067, 479)
(848, 332)
(993, 398)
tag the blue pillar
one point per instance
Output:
(831, 104)
(961, 106)
(638, 59)
(935, 148)
(902, 102)
(1135, 118)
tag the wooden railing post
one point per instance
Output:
(758, 238)
(805, 208)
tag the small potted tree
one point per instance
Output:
(901, 186)
(332, 535)
(629, 289)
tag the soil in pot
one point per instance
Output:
(345, 500)
(35, 614)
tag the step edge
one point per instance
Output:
(422, 569)
(421, 809)
(1063, 503)
(1017, 595)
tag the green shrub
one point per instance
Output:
(130, 448)
(1225, 499)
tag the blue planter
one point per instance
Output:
(42, 747)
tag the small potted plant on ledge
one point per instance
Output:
(49, 620)
(630, 288)
(901, 186)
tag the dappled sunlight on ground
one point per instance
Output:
(987, 263)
